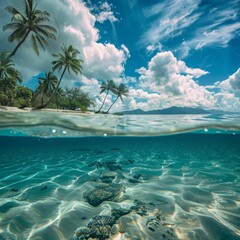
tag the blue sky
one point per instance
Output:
(139, 20)
(168, 52)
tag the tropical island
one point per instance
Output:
(34, 24)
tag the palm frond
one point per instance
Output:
(34, 44)
(28, 7)
(41, 41)
(44, 32)
(12, 10)
(11, 26)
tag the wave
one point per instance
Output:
(59, 124)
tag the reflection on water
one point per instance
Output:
(50, 124)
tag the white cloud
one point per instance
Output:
(199, 25)
(90, 85)
(227, 101)
(232, 84)
(218, 28)
(168, 82)
(173, 17)
(220, 36)
(165, 71)
(154, 47)
(106, 13)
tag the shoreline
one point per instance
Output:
(16, 109)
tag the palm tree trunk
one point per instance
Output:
(103, 102)
(56, 102)
(112, 104)
(19, 44)
(55, 90)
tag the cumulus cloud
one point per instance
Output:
(169, 82)
(165, 71)
(232, 84)
(227, 101)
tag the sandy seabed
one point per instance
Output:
(179, 187)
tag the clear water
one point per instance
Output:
(186, 166)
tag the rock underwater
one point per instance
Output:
(104, 192)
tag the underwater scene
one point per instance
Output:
(127, 177)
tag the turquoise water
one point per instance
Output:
(176, 177)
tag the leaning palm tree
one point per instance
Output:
(66, 61)
(106, 87)
(120, 91)
(30, 23)
(7, 69)
(46, 85)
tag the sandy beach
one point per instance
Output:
(16, 109)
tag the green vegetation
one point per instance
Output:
(11, 93)
(75, 98)
(33, 24)
(7, 68)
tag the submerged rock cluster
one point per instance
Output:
(101, 227)
(104, 192)
(108, 226)
(98, 227)
(110, 165)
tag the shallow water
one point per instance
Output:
(59, 124)
(192, 179)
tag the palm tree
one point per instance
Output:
(32, 22)
(46, 85)
(120, 91)
(7, 69)
(67, 60)
(106, 87)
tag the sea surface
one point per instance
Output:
(69, 177)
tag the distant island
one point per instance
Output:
(175, 110)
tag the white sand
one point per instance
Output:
(16, 109)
